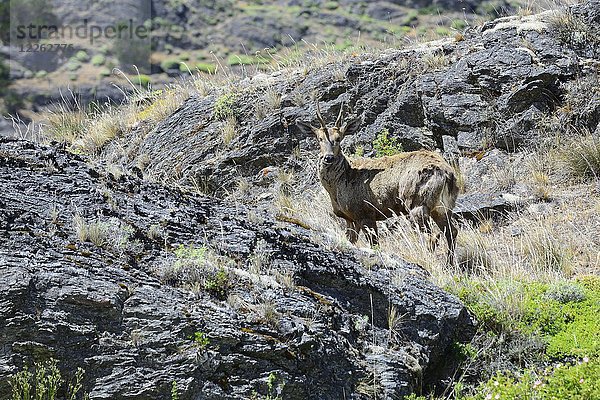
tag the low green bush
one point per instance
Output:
(225, 106)
(82, 56)
(201, 67)
(244, 59)
(73, 64)
(385, 145)
(578, 381)
(141, 80)
(170, 64)
(565, 315)
(98, 60)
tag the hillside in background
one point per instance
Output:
(180, 245)
(217, 36)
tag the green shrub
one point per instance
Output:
(442, 31)
(105, 72)
(579, 381)
(218, 284)
(459, 24)
(410, 18)
(385, 145)
(141, 80)
(73, 64)
(174, 391)
(98, 60)
(565, 315)
(201, 340)
(240, 59)
(168, 65)
(198, 269)
(41, 74)
(201, 67)
(206, 67)
(224, 106)
(82, 56)
(196, 254)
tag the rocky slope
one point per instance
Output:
(323, 331)
(91, 268)
(495, 87)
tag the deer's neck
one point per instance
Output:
(332, 174)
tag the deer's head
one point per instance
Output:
(330, 137)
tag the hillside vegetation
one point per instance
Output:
(195, 248)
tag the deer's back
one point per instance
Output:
(397, 183)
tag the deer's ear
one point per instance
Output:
(351, 127)
(306, 127)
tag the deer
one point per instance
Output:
(419, 184)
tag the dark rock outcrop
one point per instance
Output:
(493, 87)
(102, 306)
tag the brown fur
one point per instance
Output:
(420, 184)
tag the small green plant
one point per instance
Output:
(464, 351)
(190, 253)
(73, 64)
(98, 60)
(201, 340)
(224, 106)
(174, 391)
(459, 24)
(197, 268)
(331, 5)
(169, 65)
(44, 383)
(82, 56)
(385, 145)
(273, 390)
(241, 59)
(201, 67)
(218, 284)
(359, 151)
(141, 80)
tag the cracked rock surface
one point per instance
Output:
(314, 318)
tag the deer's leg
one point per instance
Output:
(421, 217)
(444, 221)
(352, 231)
(370, 228)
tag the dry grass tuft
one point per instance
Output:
(66, 125)
(229, 130)
(580, 156)
(547, 253)
(95, 232)
(572, 30)
(99, 131)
